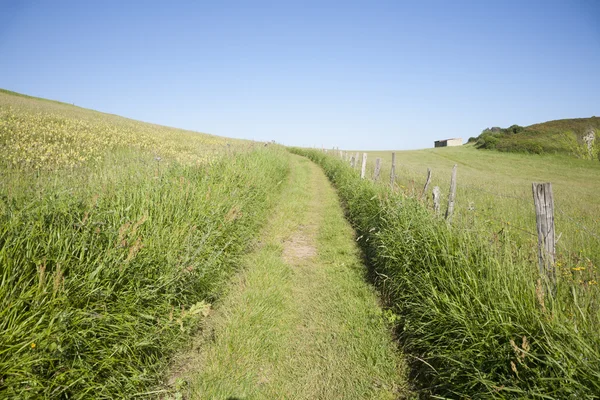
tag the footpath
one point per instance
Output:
(299, 321)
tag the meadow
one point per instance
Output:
(118, 236)
(494, 196)
(115, 238)
(472, 313)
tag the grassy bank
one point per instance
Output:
(470, 310)
(115, 236)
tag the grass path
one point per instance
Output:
(299, 322)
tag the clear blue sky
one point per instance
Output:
(354, 74)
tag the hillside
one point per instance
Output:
(125, 245)
(115, 235)
(38, 133)
(563, 136)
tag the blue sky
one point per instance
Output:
(352, 74)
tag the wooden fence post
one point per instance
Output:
(352, 161)
(427, 182)
(356, 160)
(393, 170)
(544, 218)
(436, 199)
(377, 169)
(452, 195)
(363, 168)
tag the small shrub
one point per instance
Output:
(514, 129)
(534, 148)
(487, 141)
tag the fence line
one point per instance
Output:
(526, 201)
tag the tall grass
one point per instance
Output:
(494, 195)
(100, 273)
(107, 263)
(471, 311)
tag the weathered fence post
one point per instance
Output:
(377, 169)
(341, 154)
(352, 161)
(544, 218)
(363, 167)
(393, 170)
(427, 182)
(452, 195)
(436, 199)
(356, 160)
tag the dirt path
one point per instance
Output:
(299, 322)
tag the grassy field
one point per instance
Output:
(471, 309)
(494, 195)
(42, 134)
(115, 237)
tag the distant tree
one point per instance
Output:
(514, 129)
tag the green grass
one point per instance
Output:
(114, 237)
(471, 312)
(300, 322)
(494, 196)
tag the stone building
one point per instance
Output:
(448, 142)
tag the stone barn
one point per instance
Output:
(448, 142)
